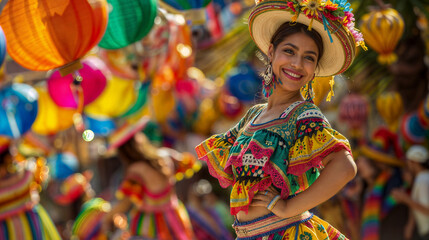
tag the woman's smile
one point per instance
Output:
(292, 74)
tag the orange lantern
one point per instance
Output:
(382, 30)
(47, 34)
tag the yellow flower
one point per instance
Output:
(311, 7)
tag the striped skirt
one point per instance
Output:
(34, 224)
(171, 223)
(305, 226)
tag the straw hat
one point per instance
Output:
(334, 23)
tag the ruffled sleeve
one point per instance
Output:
(215, 150)
(314, 140)
(131, 187)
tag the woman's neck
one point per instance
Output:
(283, 98)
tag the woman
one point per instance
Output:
(21, 215)
(148, 187)
(273, 158)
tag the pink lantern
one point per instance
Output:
(93, 74)
(354, 110)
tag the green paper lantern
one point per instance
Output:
(129, 21)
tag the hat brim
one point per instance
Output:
(381, 157)
(337, 55)
(126, 132)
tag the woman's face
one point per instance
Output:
(294, 61)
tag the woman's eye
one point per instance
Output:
(310, 58)
(289, 51)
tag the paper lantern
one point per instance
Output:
(51, 118)
(382, 30)
(353, 110)
(115, 100)
(129, 21)
(390, 108)
(141, 100)
(100, 126)
(93, 83)
(161, 95)
(2, 46)
(412, 130)
(243, 83)
(18, 109)
(62, 165)
(47, 34)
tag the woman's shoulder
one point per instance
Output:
(309, 110)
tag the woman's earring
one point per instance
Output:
(268, 75)
(269, 81)
(310, 93)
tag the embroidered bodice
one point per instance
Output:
(286, 152)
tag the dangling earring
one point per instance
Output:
(310, 93)
(269, 81)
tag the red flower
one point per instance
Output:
(290, 5)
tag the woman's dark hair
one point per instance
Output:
(3, 156)
(288, 28)
(131, 152)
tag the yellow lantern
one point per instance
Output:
(390, 108)
(50, 117)
(382, 30)
(115, 100)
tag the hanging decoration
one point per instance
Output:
(115, 100)
(61, 89)
(390, 108)
(229, 105)
(243, 83)
(129, 21)
(2, 46)
(155, 46)
(36, 35)
(382, 28)
(353, 110)
(50, 117)
(100, 126)
(62, 165)
(118, 63)
(193, 10)
(18, 109)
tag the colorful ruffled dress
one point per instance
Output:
(286, 152)
(158, 216)
(21, 216)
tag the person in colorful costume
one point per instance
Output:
(147, 192)
(273, 158)
(380, 167)
(21, 215)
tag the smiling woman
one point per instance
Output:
(273, 158)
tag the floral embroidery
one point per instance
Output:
(239, 190)
(321, 137)
(321, 228)
(305, 236)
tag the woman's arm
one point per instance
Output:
(339, 170)
(402, 197)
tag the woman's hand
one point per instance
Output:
(270, 199)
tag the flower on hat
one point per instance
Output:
(311, 9)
